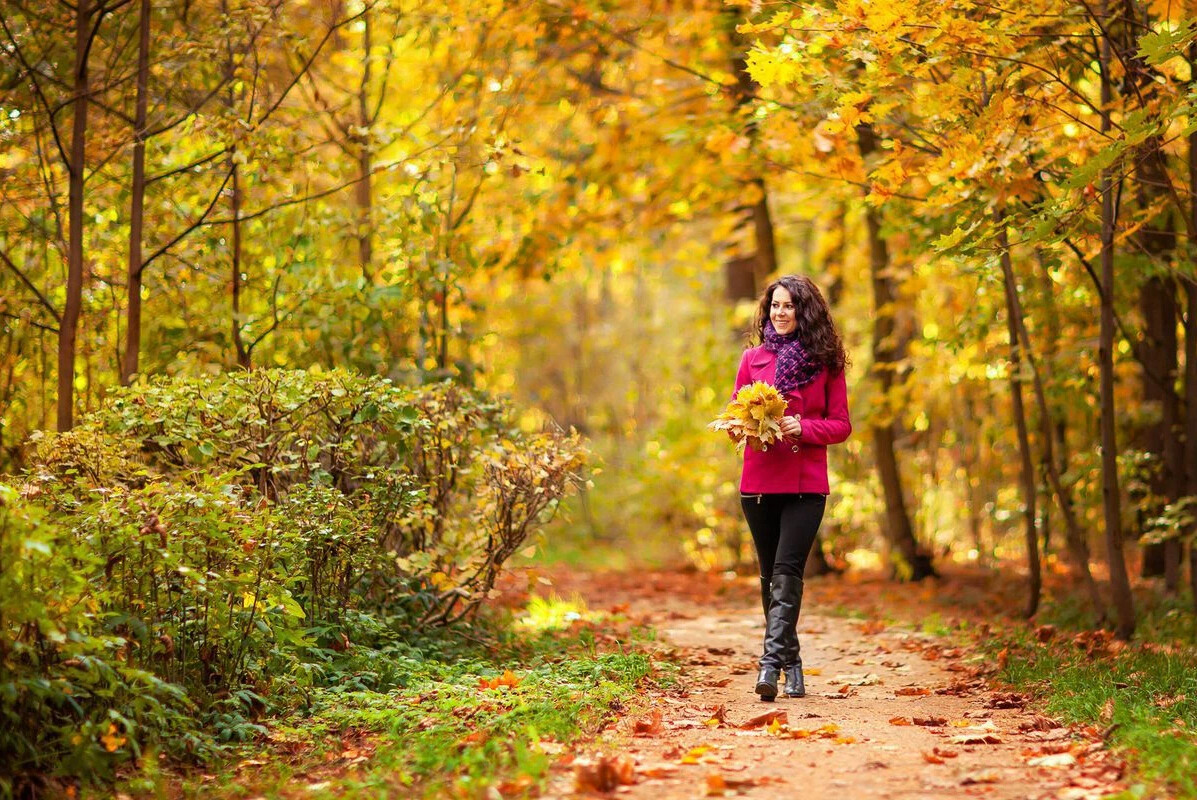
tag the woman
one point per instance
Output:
(783, 490)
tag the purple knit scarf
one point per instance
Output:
(794, 367)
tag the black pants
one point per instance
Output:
(783, 529)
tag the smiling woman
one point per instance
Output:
(783, 490)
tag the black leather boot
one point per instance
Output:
(766, 683)
(781, 639)
(795, 685)
(769, 676)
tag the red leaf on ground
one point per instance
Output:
(930, 722)
(912, 691)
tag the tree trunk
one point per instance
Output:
(363, 190)
(1111, 501)
(1013, 320)
(1191, 344)
(68, 329)
(898, 529)
(746, 275)
(1056, 428)
(243, 359)
(1078, 548)
(235, 199)
(130, 362)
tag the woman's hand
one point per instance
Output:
(791, 427)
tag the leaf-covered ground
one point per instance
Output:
(891, 711)
(638, 684)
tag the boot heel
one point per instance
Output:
(766, 683)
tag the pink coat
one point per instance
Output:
(823, 406)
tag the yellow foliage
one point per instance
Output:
(753, 417)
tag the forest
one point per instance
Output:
(326, 325)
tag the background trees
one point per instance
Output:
(570, 202)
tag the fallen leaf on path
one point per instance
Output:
(930, 722)
(845, 740)
(721, 651)
(767, 718)
(975, 738)
(604, 775)
(719, 683)
(871, 627)
(1007, 700)
(980, 777)
(715, 784)
(718, 715)
(912, 691)
(932, 758)
(1038, 722)
(695, 754)
(1044, 633)
(1054, 760)
(816, 671)
(899, 721)
(867, 679)
(648, 726)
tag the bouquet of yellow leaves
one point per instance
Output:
(753, 418)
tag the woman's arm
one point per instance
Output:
(837, 426)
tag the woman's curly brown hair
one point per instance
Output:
(815, 330)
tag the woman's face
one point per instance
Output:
(782, 312)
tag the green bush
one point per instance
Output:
(202, 552)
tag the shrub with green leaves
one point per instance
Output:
(205, 548)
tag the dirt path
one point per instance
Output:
(889, 714)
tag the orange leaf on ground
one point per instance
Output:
(932, 758)
(605, 775)
(899, 721)
(765, 719)
(715, 784)
(912, 691)
(508, 679)
(930, 722)
(648, 726)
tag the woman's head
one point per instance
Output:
(795, 305)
